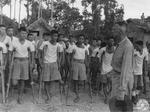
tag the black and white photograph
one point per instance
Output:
(74, 55)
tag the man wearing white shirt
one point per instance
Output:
(3, 51)
(50, 62)
(79, 65)
(105, 56)
(20, 72)
(4, 38)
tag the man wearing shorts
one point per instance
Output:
(79, 65)
(105, 56)
(51, 62)
(20, 74)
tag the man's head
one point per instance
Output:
(30, 37)
(94, 42)
(46, 36)
(72, 39)
(54, 35)
(99, 43)
(10, 31)
(35, 34)
(110, 42)
(22, 33)
(138, 45)
(119, 31)
(2, 30)
(86, 41)
(60, 37)
(81, 38)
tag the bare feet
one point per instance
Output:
(106, 101)
(76, 100)
(48, 100)
(61, 82)
(19, 101)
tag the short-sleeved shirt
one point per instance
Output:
(106, 60)
(22, 50)
(138, 61)
(4, 48)
(51, 52)
(70, 48)
(95, 52)
(79, 53)
(7, 41)
(62, 46)
(145, 50)
(87, 48)
(12, 39)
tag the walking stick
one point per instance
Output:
(90, 84)
(31, 76)
(42, 72)
(2, 76)
(10, 76)
(60, 88)
(32, 85)
(3, 86)
(40, 85)
(68, 80)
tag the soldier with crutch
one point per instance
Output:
(20, 71)
(3, 51)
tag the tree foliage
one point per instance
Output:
(68, 19)
(112, 13)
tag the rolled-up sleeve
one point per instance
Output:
(126, 69)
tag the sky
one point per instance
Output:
(133, 8)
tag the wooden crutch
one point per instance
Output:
(2, 76)
(31, 76)
(10, 75)
(42, 72)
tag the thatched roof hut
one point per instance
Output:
(40, 25)
(139, 30)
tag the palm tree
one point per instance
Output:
(10, 9)
(39, 11)
(15, 9)
(1, 14)
(19, 11)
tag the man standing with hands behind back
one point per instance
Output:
(122, 73)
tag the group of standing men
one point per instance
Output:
(121, 66)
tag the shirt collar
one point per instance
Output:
(123, 40)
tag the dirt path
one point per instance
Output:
(56, 105)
